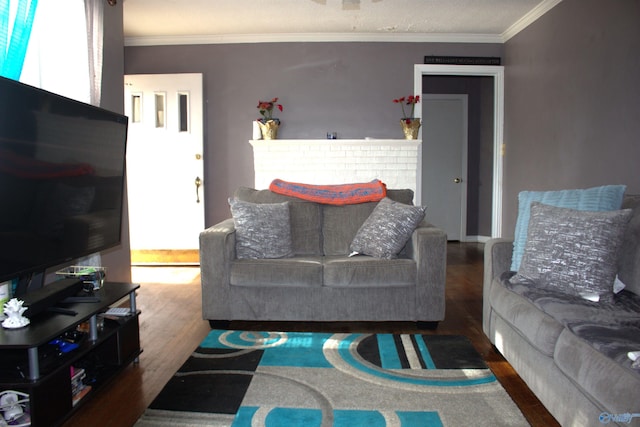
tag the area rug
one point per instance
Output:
(309, 379)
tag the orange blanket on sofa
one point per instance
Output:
(341, 194)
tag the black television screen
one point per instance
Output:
(62, 172)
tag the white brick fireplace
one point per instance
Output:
(337, 161)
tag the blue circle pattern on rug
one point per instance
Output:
(301, 417)
(305, 349)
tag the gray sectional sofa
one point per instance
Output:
(572, 353)
(320, 282)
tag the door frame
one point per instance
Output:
(497, 72)
(195, 92)
(464, 167)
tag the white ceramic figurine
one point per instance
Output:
(14, 310)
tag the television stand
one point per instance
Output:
(32, 366)
(81, 299)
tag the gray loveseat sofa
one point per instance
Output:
(320, 282)
(571, 353)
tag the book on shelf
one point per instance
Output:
(82, 393)
(78, 388)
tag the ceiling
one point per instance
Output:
(148, 22)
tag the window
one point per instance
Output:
(160, 108)
(57, 56)
(183, 112)
(136, 108)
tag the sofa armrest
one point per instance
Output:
(217, 250)
(428, 248)
(497, 260)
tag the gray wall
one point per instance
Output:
(342, 87)
(572, 105)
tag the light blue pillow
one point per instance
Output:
(605, 198)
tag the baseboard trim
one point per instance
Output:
(165, 257)
(477, 239)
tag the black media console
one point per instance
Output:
(31, 364)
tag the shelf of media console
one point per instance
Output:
(49, 387)
(48, 326)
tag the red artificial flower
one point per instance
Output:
(410, 100)
(266, 108)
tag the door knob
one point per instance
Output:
(457, 180)
(198, 184)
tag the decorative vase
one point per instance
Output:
(410, 127)
(269, 128)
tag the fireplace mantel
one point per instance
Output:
(337, 161)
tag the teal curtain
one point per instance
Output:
(13, 47)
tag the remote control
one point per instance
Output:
(61, 310)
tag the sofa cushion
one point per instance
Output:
(262, 229)
(306, 218)
(604, 198)
(385, 232)
(341, 223)
(538, 328)
(613, 340)
(299, 272)
(567, 311)
(364, 271)
(573, 251)
(606, 380)
(624, 308)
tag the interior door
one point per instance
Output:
(444, 162)
(164, 166)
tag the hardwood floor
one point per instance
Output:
(171, 328)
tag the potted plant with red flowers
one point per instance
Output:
(268, 124)
(410, 125)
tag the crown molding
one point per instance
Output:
(388, 37)
(529, 18)
(312, 38)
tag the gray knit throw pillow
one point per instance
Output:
(573, 251)
(387, 229)
(263, 230)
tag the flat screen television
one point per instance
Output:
(62, 177)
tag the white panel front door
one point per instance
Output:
(444, 162)
(164, 161)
